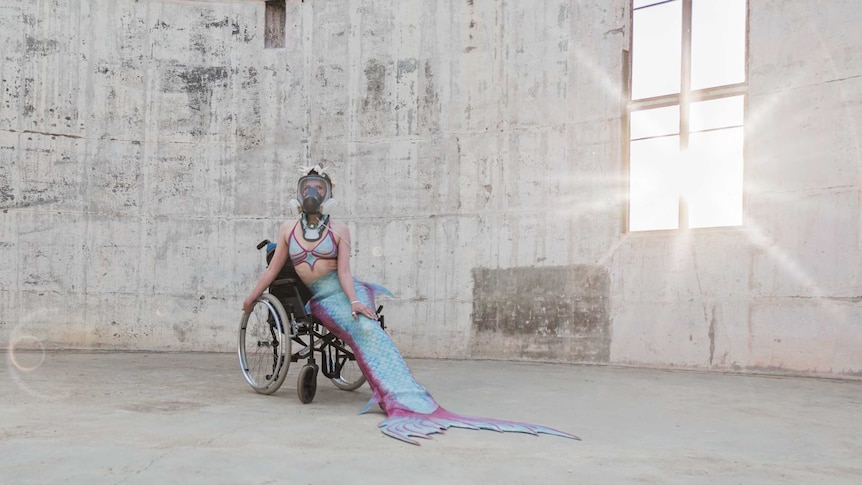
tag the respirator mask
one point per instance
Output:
(313, 195)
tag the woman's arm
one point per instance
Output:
(346, 278)
(271, 272)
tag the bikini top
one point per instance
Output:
(324, 249)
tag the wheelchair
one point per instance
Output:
(278, 321)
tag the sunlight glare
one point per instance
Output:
(655, 181)
(648, 123)
(717, 43)
(656, 50)
(713, 187)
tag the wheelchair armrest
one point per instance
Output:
(284, 281)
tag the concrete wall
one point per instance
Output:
(147, 146)
(782, 293)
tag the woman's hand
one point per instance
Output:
(248, 304)
(357, 308)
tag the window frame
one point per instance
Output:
(684, 98)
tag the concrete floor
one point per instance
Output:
(73, 417)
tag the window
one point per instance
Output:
(685, 113)
(274, 20)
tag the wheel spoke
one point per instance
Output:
(347, 374)
(262, 345)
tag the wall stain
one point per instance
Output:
(7, 193)
(558, 313)
(182, 332)
(429, 107)
(563, 14)
(250, 79)
(220, 23)
(41, 47)
(198, 83)
(405, 66)
(375, 75)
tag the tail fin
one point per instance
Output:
(375, 399)
(405, 424)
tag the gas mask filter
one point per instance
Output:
(311, 201)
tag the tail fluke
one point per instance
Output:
(404, 424)
(375, 399)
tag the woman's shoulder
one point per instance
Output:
(287, 226)
(338, 226)
(340, 230)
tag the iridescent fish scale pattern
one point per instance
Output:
(410, 408)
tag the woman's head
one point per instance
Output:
(314, 191)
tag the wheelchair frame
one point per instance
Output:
(279, 320)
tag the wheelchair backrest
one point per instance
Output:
(287, 287)
(288, 294)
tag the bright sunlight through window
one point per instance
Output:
(686, 114)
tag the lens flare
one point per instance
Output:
(28, 344)
(27, 355)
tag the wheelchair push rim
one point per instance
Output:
(263, 345)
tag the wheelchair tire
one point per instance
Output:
(350, 377)
(263, 345)
(306, 386)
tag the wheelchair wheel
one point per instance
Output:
(306, 386)
(349, 376)
(263, 345)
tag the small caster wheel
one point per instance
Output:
(306, 386)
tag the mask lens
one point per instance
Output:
(316, 183)
(313, 191)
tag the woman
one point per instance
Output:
(319, 249)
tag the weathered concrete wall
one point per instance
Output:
(146, 147)
(475, 133)
(784, 292)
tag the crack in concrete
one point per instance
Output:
(45, 133)
(24, 205)
(842, 79)
(712, 336)
(848, 299)
(145, 468)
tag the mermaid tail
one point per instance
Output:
(410, 409)
(404, 425)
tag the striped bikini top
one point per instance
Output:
(325, 249)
